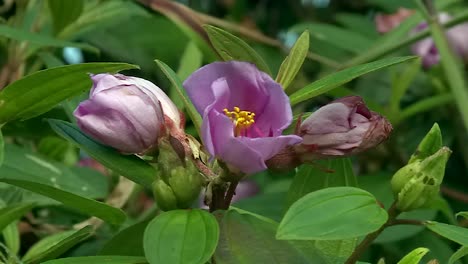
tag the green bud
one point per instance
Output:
(179, 182)
(430, 144)
(418, 183)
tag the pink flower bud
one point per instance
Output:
(126, 113)
(343, 127)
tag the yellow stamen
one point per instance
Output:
(241, 119)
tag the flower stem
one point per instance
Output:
(230, 193)
(406, 222)
(359, 250)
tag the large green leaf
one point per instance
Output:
(322, 174)
(129, 166)
(177, 84)
(85, 205)
(334, 80)
(64, 12)
(293, 62)
(55, 245)
(249, 239)
(181, 237)
(41, 91)
(13, 212)
(99, 260)
(414, 257)
(230, 47)
(41, 40)
(455, 233)
(21, 164)
(332, 214)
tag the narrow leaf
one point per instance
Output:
(177, 84)
(460, 253)
(11, 236)
(351, 212)
(41, 40)
(293, 62)
(336, 79)
(85, 205)
(64, 12)
(100, 260)
(462, 214)
(54, 246)
(454, 233)
(414, 257)
(13, 212)
(39, 92)
(129, 166)
(181, 237)
(230, 47)
(2, 148)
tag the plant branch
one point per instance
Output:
(454, 194)
(230, 194)
(406, 222)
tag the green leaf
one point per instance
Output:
(177, 84)
(293, 62)
(334, 80)
(462, 214)
(64, 12)
(2, 149)
(39, 92)
(351, 212)
(454, 233)
(128, 242)
(402, 82)
(11, 236)
(248, 239)
(85, 205)
(129, 166)
(323, 174)
(335, 251)
(230, 47)
(55, 245)
(181, 236)
(13, 212)
(460, 253)
(41, 40)
(100, 260)
(414, 257)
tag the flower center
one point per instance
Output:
(242, 120)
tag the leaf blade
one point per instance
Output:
(293, 62)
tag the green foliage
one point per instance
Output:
(414, 257)
(293, 62)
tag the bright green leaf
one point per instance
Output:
(99, 260)
(460, 253)
(293, 62)
(334, 80)
(13, 212)
(55, 245)
(41, 40)
(177, 84)
(248, 239)
(462, 214)
(414, 257)
(181, 237)
(129, 166)
(455, 233)
(351, 212)
(230, 47)
(39, 92)
(64, 12)
(11, 236)
(85, 205)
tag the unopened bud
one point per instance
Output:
(430, 144)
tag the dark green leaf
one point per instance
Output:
(351, 212)
(128, 242)
(85, 205)
(248, 239)
(414, 257)
(64, 12)
(2, 149)
(293, 62)
(41, 40)
(181, 237)
(55, 245)
(177, 84)
(129, 166)
(334, 80)
(230, 47)
(99, 260)
(39, 92)
(13, 212)
(455, 233)
(460, 253)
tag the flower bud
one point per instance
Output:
(127, 113)
(456, 36)
(180, 182)
(343, 127)
(418, 183)
(430, 144)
